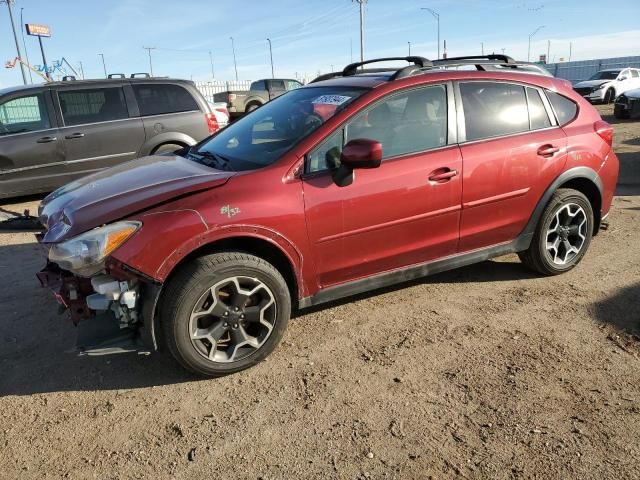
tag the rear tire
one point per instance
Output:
(225, 312)
(167, 148)
(251, 107)
(562, 235)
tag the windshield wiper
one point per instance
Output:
(219, 160)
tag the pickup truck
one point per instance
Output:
(260, 92)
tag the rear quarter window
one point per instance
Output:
(564, 108)
(161, 99)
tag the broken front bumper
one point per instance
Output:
(114, 313)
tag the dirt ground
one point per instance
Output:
(483, 372)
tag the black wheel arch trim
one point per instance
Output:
(571, 174)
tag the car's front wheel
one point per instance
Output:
(563, 234)
(224, 312)
(620, 112)
(609, 96)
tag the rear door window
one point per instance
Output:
(259, 85)
(493, 109)
(277, 84)
(564, 108)
(92, 105)
(23, 114)
(163, 98)
(292, 84)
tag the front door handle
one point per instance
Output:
(548, 150)
(46, 139)
(442, 175)
(74, 135)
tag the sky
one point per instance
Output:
(308, 36)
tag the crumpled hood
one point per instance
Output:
(114, 193)
(591, 83)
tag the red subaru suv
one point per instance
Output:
(359, 180)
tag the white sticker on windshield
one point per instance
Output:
(331, 99)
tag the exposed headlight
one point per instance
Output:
(84, 255)
(599, 87)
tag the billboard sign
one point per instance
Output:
(38, 30)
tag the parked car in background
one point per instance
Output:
(627, 104)
(343, 186)
(53, 133)
(260, 92)
(606, 85)
(221, 112)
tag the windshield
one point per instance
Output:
(263, 136)
(606, 75)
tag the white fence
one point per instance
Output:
(208, 89)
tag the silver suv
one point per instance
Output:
(53, 133)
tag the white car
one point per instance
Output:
(606, 85)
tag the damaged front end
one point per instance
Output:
(112, 305)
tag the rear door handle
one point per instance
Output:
(46, 139)
(547, 150)
(443, 176)
(74, 135)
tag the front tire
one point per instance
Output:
(620, 113)
(609, 96)
(563, 234)
(225, 312)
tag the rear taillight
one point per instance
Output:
(605, 131)
(232, 97)
(212, 122)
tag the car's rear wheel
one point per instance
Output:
(563, 234)
(609, 96)
(167, 148)
(224, 312)
(251, 107)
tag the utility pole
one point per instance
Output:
(409, 48)
(362, 4)
(351, 48)
(104, 65)
(213, 74)
(548, 51)
(570, 45)
(15, 38)
(148, 49)
(271, 56)
(235, 64)
(530, 37)
(436, 15)
(482, 48)
(24, 44)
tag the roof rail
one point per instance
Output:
(329, 76)
(116, 75)
(140, 75)
(352, 68)
(493, 57)
(68, 78)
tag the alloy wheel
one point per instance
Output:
(232, 319)
(566, 233)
